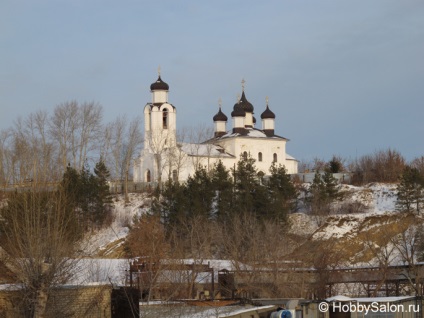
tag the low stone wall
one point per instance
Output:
(66, 301)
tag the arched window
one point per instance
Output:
(165, 118)
(260, 156)
(175, 175)
(148, 177)
(245, 155)
(275, 158)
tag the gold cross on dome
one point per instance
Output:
(242, 83)
(267, 100)
(159, 70)
(220, 102)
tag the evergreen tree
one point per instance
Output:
(223, 187)
(335, 165)
(102, 199)
(322, 193)
(71, 184)
(199, 194)
(330, 186)
(246, 182)
(87, 194)
(282, 193)
(410, 194)
(170, 204)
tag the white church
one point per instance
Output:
(163, 157)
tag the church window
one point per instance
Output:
(275, 158)
(165, 118)
(174, 175)
(148, 177)
(260, 156)
(244, 155)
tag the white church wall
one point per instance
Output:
(160, 97)
(254, 146)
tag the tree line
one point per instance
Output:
(381, 166)
(220, 193)
(40, 146)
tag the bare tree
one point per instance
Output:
(38, 237)
(5, 157)
(132, 145)
(407, 244)
(383, 254)
(382, 166)
(159, 145)
(75, 129)
(199, 150)
(34, 148)
(126, 140)
(147, 241)
(418, 163)
(196, 240)
(91, 115)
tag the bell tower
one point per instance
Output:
(160, 119)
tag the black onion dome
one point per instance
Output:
(159, 85)
(245, 104)
(220, 116)
(254, 120)
(238, 110)
(267, 113)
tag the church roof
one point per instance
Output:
(159, 85)
(220, 116)
(238, 111)
(205, 149)
(251, 133)
(245, 104)
(267, 114)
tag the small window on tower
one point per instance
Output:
(165, 118)
(260, 156)
(275, 158)
(244, 155)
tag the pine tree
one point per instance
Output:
(410, 194)
(86, 193)
(246, 181)
(330, 186)
(171, 204)
(282, 193)
(223, 187)
(335, 165)
(102, 199)
(322, 193)
(71, 184)
(199, 194)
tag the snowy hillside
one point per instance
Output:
(107, 241)
(374, 199)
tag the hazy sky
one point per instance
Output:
(343, 77)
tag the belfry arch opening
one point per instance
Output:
(165, 118)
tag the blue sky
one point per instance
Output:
(343, 77)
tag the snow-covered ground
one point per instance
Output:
(124, 214)
(377, 198)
